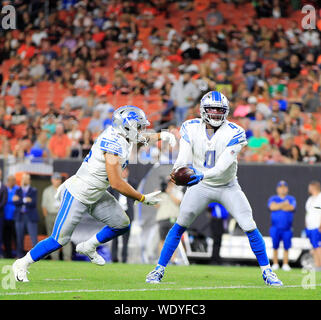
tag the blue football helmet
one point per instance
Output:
(214, 108)
(131, 122)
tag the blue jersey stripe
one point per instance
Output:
(61, 212)
(239, 134)
(64, 217)
(236, 141)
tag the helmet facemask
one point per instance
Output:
(135, 131)
(214, 115)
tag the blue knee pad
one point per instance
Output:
(43, 248)
(171, 243)
(258, 247)
(106, 234)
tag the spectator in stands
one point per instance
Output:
(104, 106)
(310, 152)
(282, 207)
(26, 214)
(183, 94)
(214, 17)
(311, 101)
(40, 146)
(193, 52)
(6, 126)
(295, 154)
(86, 143)
(53, 72)
(19, 113)
(120, 84)
(286, 146)
(9, 233)
(11, 87)
(96, 123)
(37, 68)
(3, 201)
(75, 135)
(50, 207)
(292, 67)
(252, 69)
(82, 82)
(34, 115)
(26, 50)
(49, 125)
(257, 141)
(276, 139)
(59, 144)
(310, 38)
(74, 100)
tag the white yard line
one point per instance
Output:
(62, 279)
(145, 290)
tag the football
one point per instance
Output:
(182, 176)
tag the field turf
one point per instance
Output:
(52, 280)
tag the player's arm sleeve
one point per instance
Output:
(228, 156)
(185, 155)
(111, 146)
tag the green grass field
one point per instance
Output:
(82, 281)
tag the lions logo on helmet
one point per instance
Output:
(131, 121)
(214, 108)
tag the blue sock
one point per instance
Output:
(106, 234)
(258, 247)
(44, 248)
(171, 243)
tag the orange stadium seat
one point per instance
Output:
(83, 124)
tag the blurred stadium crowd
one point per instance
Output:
(70, 63)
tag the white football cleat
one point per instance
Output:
(20, 271)
(286, 267)
(91, 253)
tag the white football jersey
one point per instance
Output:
(206, 150)
(313, 212)
(91, 180)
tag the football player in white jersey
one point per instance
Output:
(85, 192)
(211, 145)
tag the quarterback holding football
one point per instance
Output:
(210, 146)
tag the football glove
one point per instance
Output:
(150, 199)
(167, 136)
(196, 178)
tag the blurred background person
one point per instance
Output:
(50, 207)
(167, 210)
(9, 232)
(3, 201)
(26, 213)
(282, 207)
(218, 225)
(128, 206)
(313, 221)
